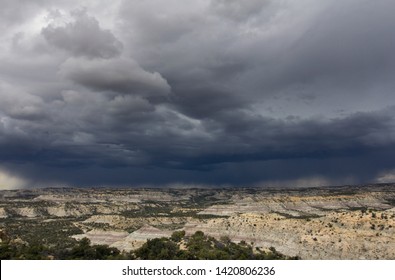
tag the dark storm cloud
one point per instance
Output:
(351, 46)
(240, 137)
(216, 92)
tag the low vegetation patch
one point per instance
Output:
(178, 247)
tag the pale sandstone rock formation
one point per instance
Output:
(3, 213)
(338, 235)
(100, 237)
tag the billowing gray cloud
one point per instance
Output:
(83, 37)
(119, 75)
(212, 92)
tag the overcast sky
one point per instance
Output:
(203, 92)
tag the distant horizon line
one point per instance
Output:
(189, 187)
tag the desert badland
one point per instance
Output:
(349, 222)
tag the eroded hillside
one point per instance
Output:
(351, 222)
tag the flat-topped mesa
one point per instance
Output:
(300, 206)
